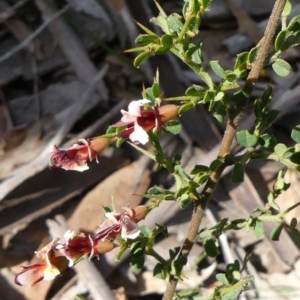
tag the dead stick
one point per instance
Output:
(30, 37)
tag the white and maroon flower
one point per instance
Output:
(140, 120)
(78, 245)
(121, 224)
(51, 266)
(76, 157)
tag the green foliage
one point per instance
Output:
(246, 139)
(211, 248)
(226, 99)
(259, 229)
(217, 69)
(281, 67)
(173, 127)
(275, 234)
(237, 175)
(296, 134)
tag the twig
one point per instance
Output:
(30, 37)
(72, 47)
(11, 10)
(232, 124)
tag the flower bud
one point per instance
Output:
(140, 212)
(103, 247)
(168, 112)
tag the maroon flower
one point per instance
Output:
(76, 157)
(139, 120)
(78, 246)
(121, 224)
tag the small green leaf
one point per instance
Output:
(184, 200)
(160, 272)
(252, 55)
(281, 39)
(201, 178)
(217, 69)
(231, 77)
(146, 39)
(220, 114)
(246, 139)
(206, 78)
(155, 90)
(267, 140)
(241, 61)
(289, 152)
(173, 127)
(237, 175)
(148, 94)
(275, 234)
(259, 229)
(210, 247)
(209, 95)
(205, 3)
(161, 49)
(281, 67)
(222, 278)
(270, 117)
(280, 149)
(186, 107)
(294, 25)
(161, 22)
(195, 90)
(194, 24)
(295, 135)
(287, 9)
(215, 164)
(174, 23)
(199, 168)
(141, 58)
(293, 223)
(119, 142)
(166, 41)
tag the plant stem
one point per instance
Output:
(231, 127)
(150, 251)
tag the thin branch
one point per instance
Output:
(233, 122)
(34, 34)
(10, 11)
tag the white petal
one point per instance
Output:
(69, 235)
(131, 236)
(134, 107)
(139, 135)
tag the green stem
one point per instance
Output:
(150, 251)
(232, 124)
(156, 144)
(184, 29)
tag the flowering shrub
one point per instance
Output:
(147, 117)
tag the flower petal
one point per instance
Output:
(139, 135)
(31, 274)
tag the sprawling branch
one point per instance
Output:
(235, 116)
